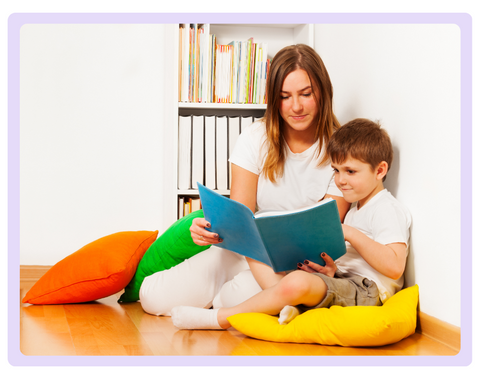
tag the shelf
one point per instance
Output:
(263, 25)
(221, 106)
(194, 192)
(221, 109)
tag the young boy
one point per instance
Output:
(376, 231)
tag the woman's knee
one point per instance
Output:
(194, 282)
(242, 287)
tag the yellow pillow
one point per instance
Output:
(344, 326)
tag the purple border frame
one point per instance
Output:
(17, 20)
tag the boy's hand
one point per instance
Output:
(329, 269)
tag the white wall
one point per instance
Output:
(91, 134)
(408, 77)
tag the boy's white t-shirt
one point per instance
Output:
(303, 182)
(385, 220)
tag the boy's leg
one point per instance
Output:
(287, 314)
(298, 287)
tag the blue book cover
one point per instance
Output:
(279, 239)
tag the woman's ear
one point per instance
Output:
(382, 170)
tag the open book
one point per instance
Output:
(279, 239)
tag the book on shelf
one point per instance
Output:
(212, 72)
(195, 204)
(246, 80)
(204, 58)
(184, 152)
(210, 167)
(211, 67)
(279, 239)
(194, 63)
(245, 121)
(262, 74)
(223, 74)
(222, 153)
(251, 84)
(233, 133)
(235, 70)
(183, 61)
(187, 205)
(181, 29)
(197, 151)
(181, 207)
(242, 68)
(191, 61)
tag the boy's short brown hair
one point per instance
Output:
(361, 139)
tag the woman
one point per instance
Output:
(278, 163)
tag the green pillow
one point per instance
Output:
(170, 249)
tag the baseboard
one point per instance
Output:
(439, 330)
(33, 272)
(429, 326)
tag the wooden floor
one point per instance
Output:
(107, 328)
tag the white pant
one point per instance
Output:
(215, 276)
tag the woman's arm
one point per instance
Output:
(244, 187)
(342, 204)
(244, 190)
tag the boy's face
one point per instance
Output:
(357, 180)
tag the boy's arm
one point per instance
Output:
(388, 260)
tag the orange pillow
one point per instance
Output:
(99, 269)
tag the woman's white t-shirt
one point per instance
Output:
(303, 182)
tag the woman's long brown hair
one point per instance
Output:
(286, 61)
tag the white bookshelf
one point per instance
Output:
(276, 35)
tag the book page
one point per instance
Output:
(280, 213)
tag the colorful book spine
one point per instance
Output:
(214, 73)
(191, 65)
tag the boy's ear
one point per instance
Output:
(382, 170)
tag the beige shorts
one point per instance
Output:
(347, 291)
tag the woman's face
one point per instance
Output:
(298, 106)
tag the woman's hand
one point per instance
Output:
(329, 269)
(201, 236)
